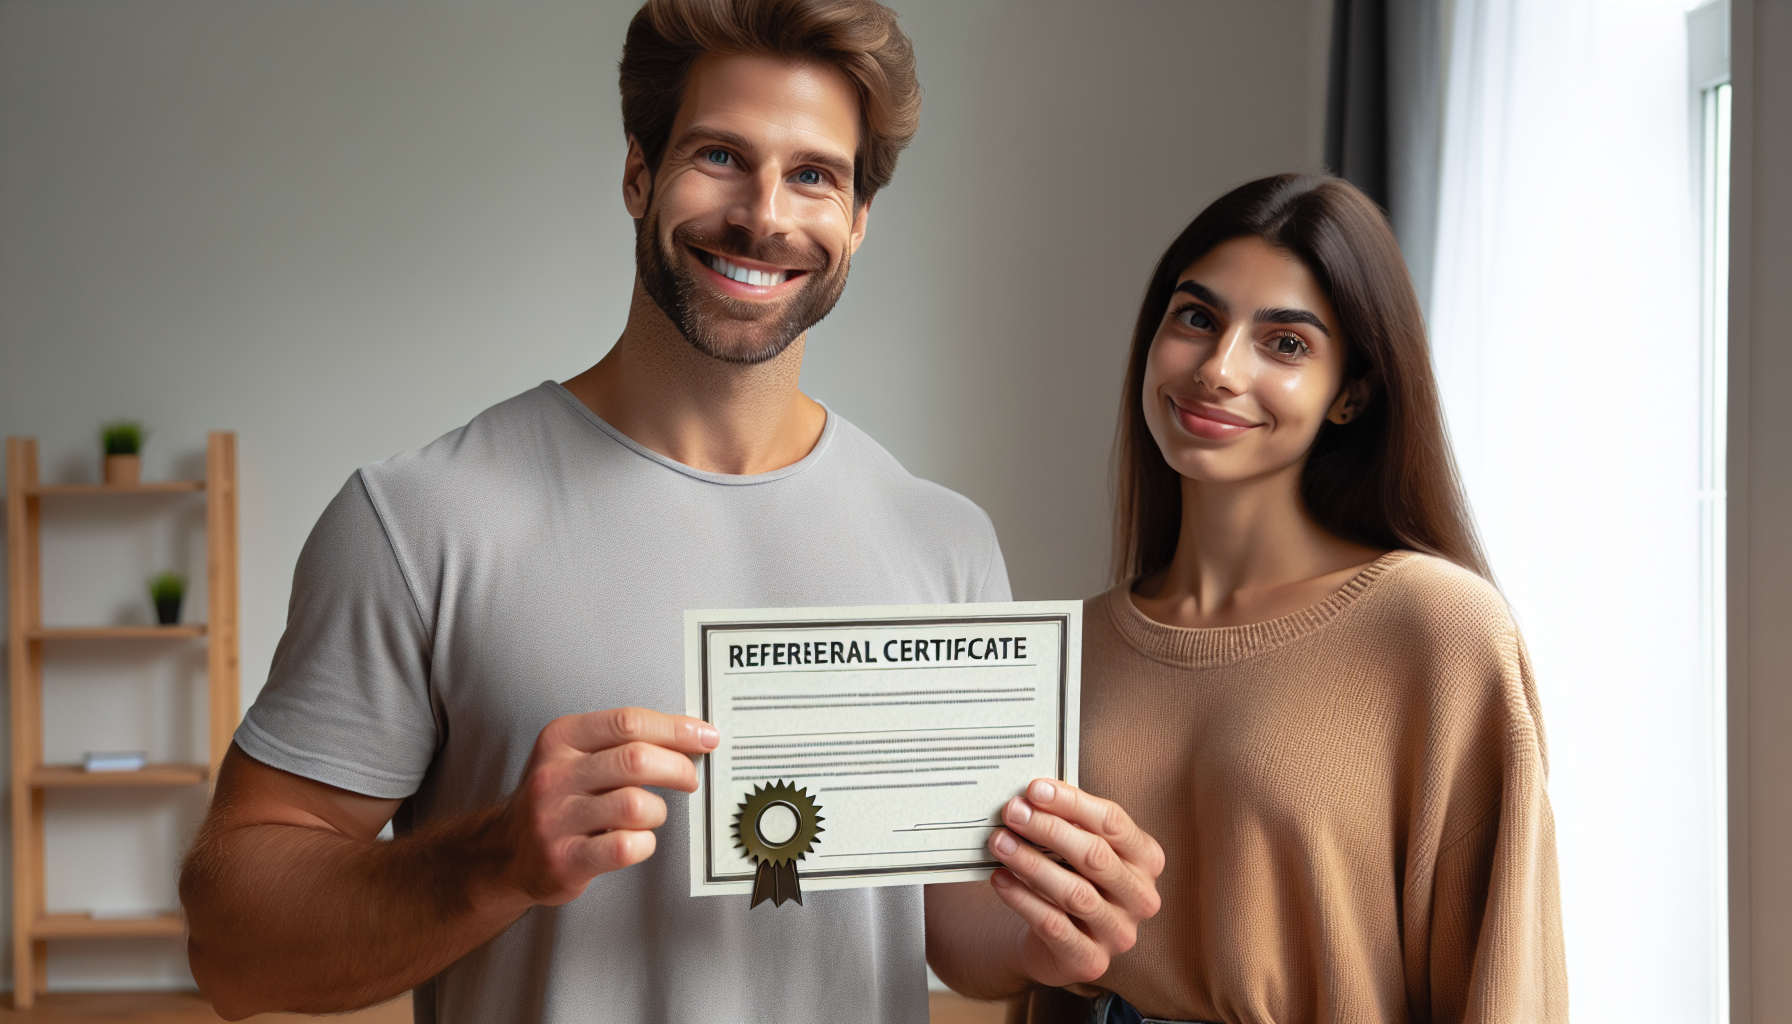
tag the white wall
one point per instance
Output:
(343, 229)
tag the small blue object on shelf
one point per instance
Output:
(115, 761)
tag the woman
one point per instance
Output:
(1305, 688)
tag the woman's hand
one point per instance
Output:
(1084, 912)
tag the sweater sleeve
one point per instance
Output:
(1496, 951)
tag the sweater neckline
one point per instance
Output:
(1184, 647)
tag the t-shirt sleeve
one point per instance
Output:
(347, 700)
(995, 577)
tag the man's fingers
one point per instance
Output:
(633, 764)
(600, 730)
(1104, 818)
(630, 808)
(1073, 894)
(1073, 952)
(611, 851)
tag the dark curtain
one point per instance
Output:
(1384, 114)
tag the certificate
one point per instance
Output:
(872, 746)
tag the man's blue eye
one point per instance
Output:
(809, 177)
(718, 156)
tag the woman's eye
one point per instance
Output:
(1195, 318)
(1289, 345)
(717, 156)
(809, 177)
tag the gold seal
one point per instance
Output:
(777, 825)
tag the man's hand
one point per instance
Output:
(1078, 918)
(581, 809)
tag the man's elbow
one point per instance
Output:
(221, 982)
(220, 976)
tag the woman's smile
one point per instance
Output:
(1210, 422)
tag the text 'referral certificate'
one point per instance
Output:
(874, 746)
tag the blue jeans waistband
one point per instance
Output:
(1111, 1009)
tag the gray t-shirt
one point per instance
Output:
(537, 563)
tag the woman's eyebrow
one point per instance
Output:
(1202, 292)
(1290, 316)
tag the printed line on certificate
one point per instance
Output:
(898, 785)
(874, 732)
(891, 853)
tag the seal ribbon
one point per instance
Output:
(777, 825)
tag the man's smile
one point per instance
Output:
(747, 278)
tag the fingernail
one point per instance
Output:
(1019, 812)
(1043, 791)
(1005, 843)
(708, 735)
(1001, 880)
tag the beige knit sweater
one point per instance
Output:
(1351, 803)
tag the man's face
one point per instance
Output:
(748, 229)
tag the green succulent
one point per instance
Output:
(122, 438)
(167, 586)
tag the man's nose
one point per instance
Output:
(763, 206)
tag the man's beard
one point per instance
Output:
(725, 328)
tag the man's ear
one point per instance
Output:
(860, 218)
(637, 180)
(1352, 399)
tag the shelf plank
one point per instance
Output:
(116, 632)
(91, 490)
(82, 926)
(73, 776)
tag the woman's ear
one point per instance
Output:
(1352, 399)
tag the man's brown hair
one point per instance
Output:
(858, 37)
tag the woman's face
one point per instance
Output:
(1246, 366)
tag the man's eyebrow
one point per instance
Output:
(721, 135)
(1291, 316)
(1202, 292)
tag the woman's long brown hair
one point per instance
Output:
(1386, 479)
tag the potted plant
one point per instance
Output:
(166, 590)
(123, 442)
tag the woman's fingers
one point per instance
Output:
(1070, 892)
(1090, 855)
(1103, 818)
(1077, 957)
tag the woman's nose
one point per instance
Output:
(1223, 369)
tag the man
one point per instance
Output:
(478, 630)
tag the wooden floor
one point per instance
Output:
(169, 1008)
(188, 1008)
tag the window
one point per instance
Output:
(1708, 66)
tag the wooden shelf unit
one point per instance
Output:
(117, 633)
(73, 776)
(27, 636)
(84, 926)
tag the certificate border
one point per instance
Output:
(709, 789)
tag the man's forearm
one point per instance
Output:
(291, 918)
(973, 941)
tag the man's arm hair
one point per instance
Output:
(293, 903)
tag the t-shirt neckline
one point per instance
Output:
(726, 479)
(1186, 647)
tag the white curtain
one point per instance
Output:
(1565, 321)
